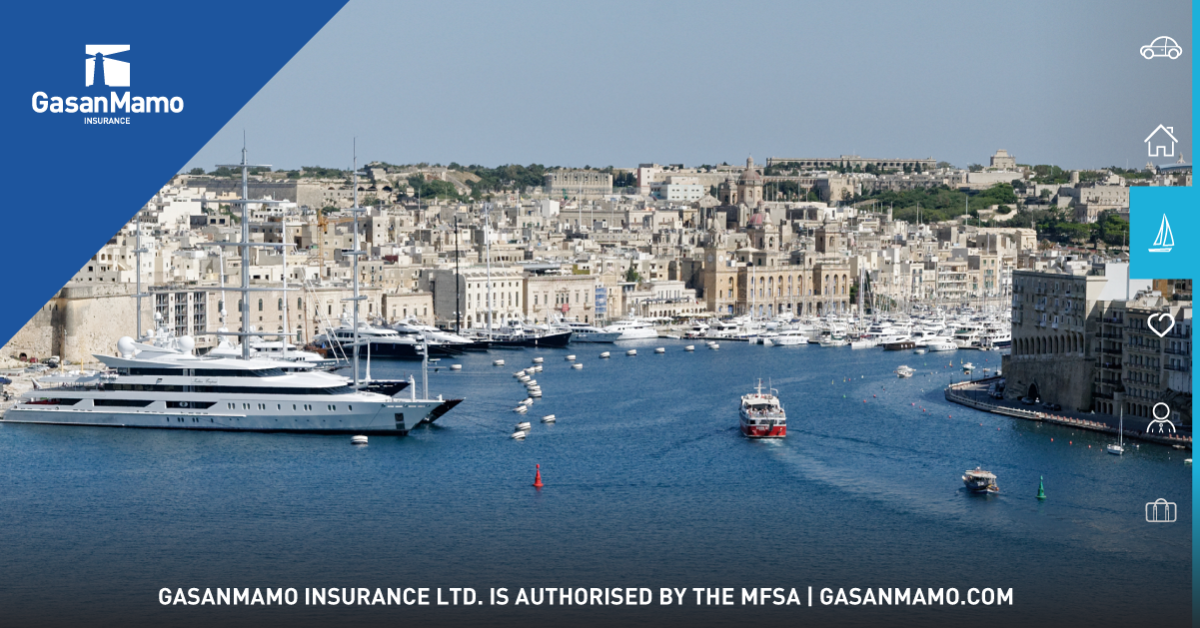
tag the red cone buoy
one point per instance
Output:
(537, 480)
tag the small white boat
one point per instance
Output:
(919, 351)
(631, 352)
(605, 355)
(570, 358)
(1118, 448)
(864, 343)
(521, 409)
(528, 401)
(519, 435)
(498, 363)
(904, 372)
(714, 346)
(690, 348)
(549, 418)
(660, 350)
(538, 369)
(524, 379)
(1187, 461)
(455, 367)
(531, 383)
(523, 426)
(577, 367)
(538, 360)
(536, 394)
(358, 440)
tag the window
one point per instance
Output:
(260, 305)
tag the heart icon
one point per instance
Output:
(1161, 316)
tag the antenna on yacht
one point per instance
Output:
(424, 367)
(283, 340)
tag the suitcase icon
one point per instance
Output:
(1161, 511)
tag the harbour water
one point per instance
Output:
(648, 483)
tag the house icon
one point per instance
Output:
(1161, 143)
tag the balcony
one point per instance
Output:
(1182, 368)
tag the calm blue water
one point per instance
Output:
(648, 483)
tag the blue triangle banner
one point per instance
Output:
(101, 111)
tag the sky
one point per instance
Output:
(622, 83)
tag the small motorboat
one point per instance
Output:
(570, 358)
(904, 371)
(523, 426)
(979, 481)
(631, 352)
(690, 348)
(660, 350)
(549, 418)
(455, 367)
(538, 360)
(521, 409)
(577, 367)
(519, 435)
(605, 355)
(358, 440)
(498, 363)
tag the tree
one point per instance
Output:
(632, 275)
(196, 171)
(944, 165)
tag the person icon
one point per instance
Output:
(1160, 424)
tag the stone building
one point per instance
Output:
(577, 183)
(747, 190)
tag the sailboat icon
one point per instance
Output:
(1164, 240)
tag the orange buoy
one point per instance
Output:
(537, 480)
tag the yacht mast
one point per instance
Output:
(355, 253)
(487, 242)
(457, 292)
(283, 247)
(245, 244)
(138, 255)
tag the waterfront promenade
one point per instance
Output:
(974, 394)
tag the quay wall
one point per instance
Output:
(80, 321)
(955, 394)
(1065, 380)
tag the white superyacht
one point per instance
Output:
(169, 387)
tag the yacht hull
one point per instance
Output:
(395, 417)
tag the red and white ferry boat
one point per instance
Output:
(761, 416)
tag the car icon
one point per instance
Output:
(1162, 47)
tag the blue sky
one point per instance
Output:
(622, 83)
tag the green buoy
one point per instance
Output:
(1041, 488)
